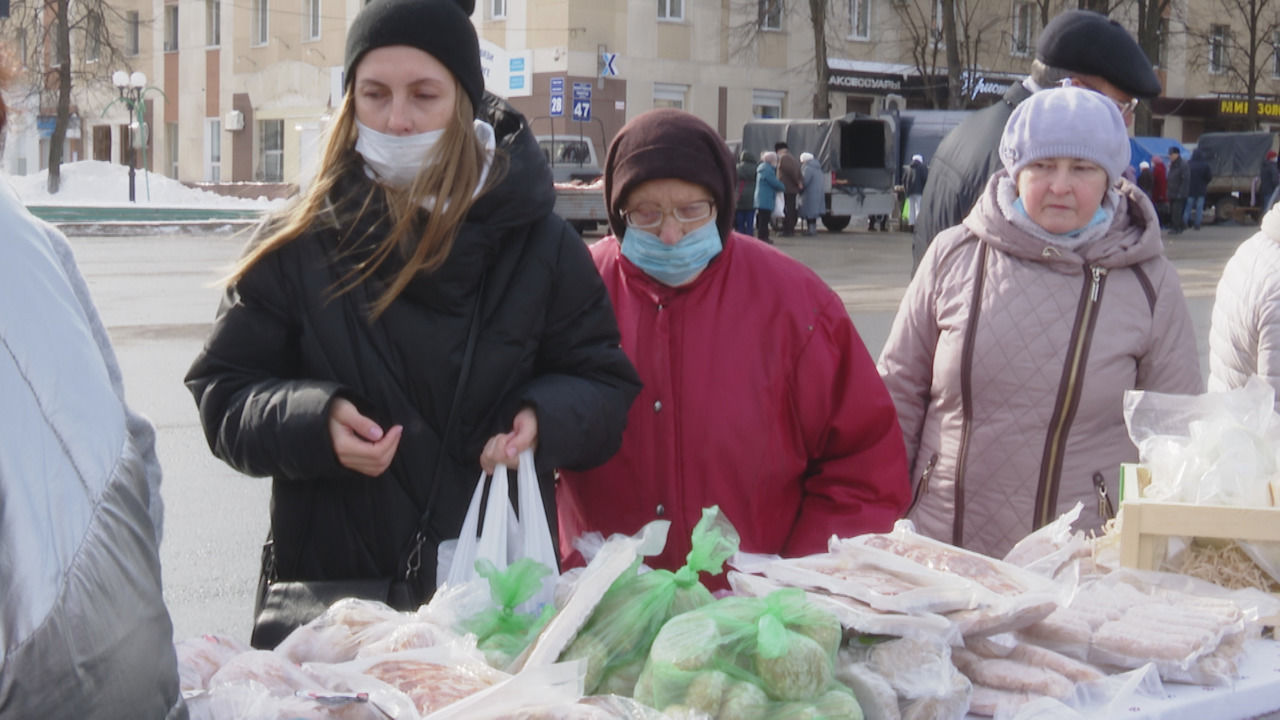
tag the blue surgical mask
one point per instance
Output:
(672, 265)
(1100, 216)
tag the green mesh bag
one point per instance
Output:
(749, 659)
(501, 632)
(615, 639)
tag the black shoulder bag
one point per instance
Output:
(283, 606)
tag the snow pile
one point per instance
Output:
(94, 182)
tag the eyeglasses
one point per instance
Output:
(1126, 108)
(648, 217)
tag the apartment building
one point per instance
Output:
(242, 91)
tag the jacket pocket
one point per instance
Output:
(922, 487)
(1106, 510)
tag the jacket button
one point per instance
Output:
(657, 406)
(660, 510)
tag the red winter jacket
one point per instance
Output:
(758, 396)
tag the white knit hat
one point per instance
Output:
(806, 157)
(1066, 122)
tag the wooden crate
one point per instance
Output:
(1146, 525)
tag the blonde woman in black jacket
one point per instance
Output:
(417, 314)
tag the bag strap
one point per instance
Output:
(413, 563)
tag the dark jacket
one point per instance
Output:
(1146, 182)
(283, 347)
(914, 178)
(1179, 180)
(959, 169)
(1268, 181)
(746, 180)
(789, 173)
(1198, 175)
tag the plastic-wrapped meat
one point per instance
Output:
(431, 686)
(981, 570)
(986, 700)
(201, 656)
(270, 670)
(1010, 675)
(408, 636)
(337, 634)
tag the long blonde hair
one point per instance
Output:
(447, 184)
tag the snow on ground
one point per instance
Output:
(94, 182)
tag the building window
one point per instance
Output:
(671, 9)
(258, 31)
(171, 147)
(860, 19)
(497, 9)
(271, 150)
(1219, 40)
(313, 19)
(1023, 29)
(1275, 53)
(170, 28)
(213, 23)
(93, 39)
(213, 149)
(766, 104)
(770, 14)
(669, 95)
(131, 33)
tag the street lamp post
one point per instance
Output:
(130, 87)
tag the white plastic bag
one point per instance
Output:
(779, 206)
(503, 538)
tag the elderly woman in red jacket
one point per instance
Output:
(759, 396)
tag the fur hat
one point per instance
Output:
(1089, 43)
(440, 28)
(1066, 122)
(669, 143)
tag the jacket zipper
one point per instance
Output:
(922, 488)
(1068, 397)
(966, 396)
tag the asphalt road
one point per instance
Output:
(157, 295)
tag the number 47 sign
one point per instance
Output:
(582, 102)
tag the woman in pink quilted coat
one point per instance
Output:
(1012, 349)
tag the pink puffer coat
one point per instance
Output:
(1008, 361)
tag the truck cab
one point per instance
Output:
(570, 158)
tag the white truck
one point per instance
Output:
(575, 169)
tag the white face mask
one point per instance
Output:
(395, 159)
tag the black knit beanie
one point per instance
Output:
(440, 28)
(667, 143)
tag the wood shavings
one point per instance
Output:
(1226, 565)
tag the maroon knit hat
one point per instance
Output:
(668, 143)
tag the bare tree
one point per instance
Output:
(945, 44)
(1151, 38)
(65, 47)
(1240, 61)
(758, 18)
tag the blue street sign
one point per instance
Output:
(557, 105)
(582, 101)
(557, 85)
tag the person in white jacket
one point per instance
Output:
(1244, 337)
(84, 632)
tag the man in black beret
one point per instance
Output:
(1078, 47)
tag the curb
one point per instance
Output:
(158, 227)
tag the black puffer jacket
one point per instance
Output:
(958, 172)
(282, 348)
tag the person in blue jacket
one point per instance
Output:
(767, 188)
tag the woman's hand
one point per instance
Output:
(505, 448)
(358, 441)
